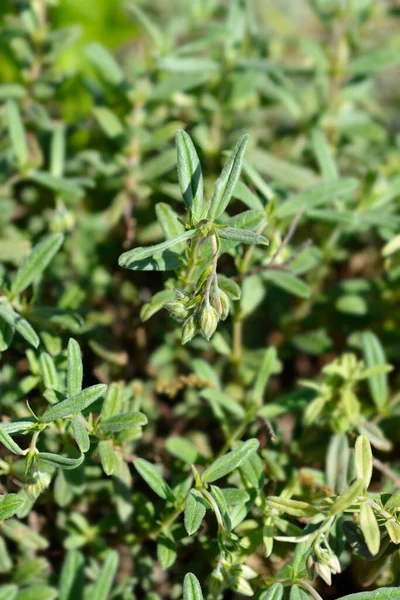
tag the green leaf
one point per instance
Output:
(15, 321)
(225, 184)
(17, 133)
(295, 593)
(374, 355)
(374, 61)
(9, 505)
(191, 588)
(48, 370)
(370, 528)
(105, 579)
(337, 462)
(9, 443)
(156, 303)
(227, 463)
(152, 477)
(275, 592)
(108, 121)
(104, 63)
(225, 401)
(57, 184)
(244, 236)
(295, 508)
(75, 368)
(37, 592)
(352, 304)
(363, 460)
(6, 334)
(60, 462)
(123, 421)
(75, 404)
(170, 224)
(71, 576)
(141, 258)
(344, 501)
(243, 193)
(323, 155)
(80, 433)
(219, 498)
(380, 594)
(267, 367)
(288, 282)
(194, 512)
(189, 175)
(36, 262)
(183, 449)
(231, 288)
(321, 193)
(113, 401)
(108, 457)
(8, 591)
(166, 549)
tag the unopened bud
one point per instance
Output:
(324, 572)
(208, 320)
(178, 310)
(220, 301)
(37, 483)
(189, 329)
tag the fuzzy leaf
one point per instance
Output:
(152, 477)
(191, 588)
(9, 443)
(60, 462)
(225, 184)
(189, 175)
(194, 512)
(105, 579)
(17, 133)
(370, 528)
(344, 501)
(9, 505)
(108, 457)
(166, 549)
(142, 258)
(123, 421)
(363, 459)
(244, 236)
(227, 463)
(36, 262)
(13, 320)
(75, 368)
(275, 592)
(75, 404)
(80, 433)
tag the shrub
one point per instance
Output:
(222, 422)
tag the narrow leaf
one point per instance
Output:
(80, 434)
(152, 477)
(105, 579)
(370, 528)
(9, 505)
(75, 368)
(363, 459)
(227, 463)
(138, 258)
(17, 133)
(194, 512)
(75, 404)
(189, 175)
(36, 262)
(124, 421)
(226, 182)
(243, 236)
(60, 462)
(166, 549)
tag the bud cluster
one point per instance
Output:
(201, 316)
(324, 562)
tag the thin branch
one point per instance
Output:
(272, 264)
(386, 471)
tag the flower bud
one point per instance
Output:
(178, 310)
(189, 329)
(37, 483)
(208, 320)
(220, 301)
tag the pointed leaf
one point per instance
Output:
(152, 477)
(60, 462)
(36, 262)
(124, 421)
(139, 258)
(105, 579)
(189, 175)
(363, 459)
(194, 512)
(75, 404)
(243, 236)
(227, 463)
(226, 182)
(75, 368)
(191, 588)
(80, 433)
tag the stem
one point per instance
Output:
(215, 508)
(386, 471)
(214, 262)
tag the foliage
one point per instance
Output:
(199, 265)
